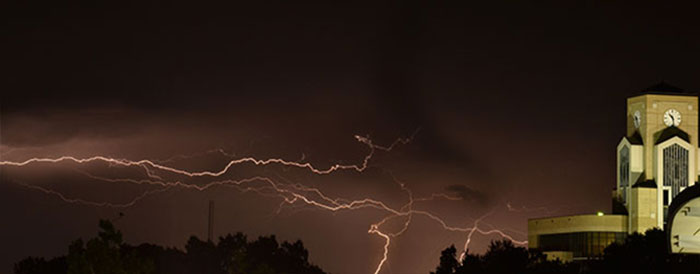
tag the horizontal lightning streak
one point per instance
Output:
(289, 193)
(146, 163)
(93, 203)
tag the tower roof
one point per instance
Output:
(664, 88)
(643, 183)
(671, 132)
(636, 138)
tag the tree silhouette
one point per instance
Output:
(32, 265)
(104, 255)
(639, 253)
(448, 261)
(504, 257)
(232, 255)
(645, 253)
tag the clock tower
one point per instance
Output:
(657, 159)
(657, 170)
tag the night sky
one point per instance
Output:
(516, 104)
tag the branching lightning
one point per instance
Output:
(289, 193)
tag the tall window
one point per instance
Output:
(624, 170)
(675, 168)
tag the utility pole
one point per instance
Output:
(210, 235)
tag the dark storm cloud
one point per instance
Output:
(58, 126)
(469, 194)
(495, 86)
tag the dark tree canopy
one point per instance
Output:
(232, 254)
(501, 257)
(640, 253)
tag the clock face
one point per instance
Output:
(637, 117)
(672, 118)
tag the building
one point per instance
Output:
(656, 162)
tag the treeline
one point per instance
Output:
(640, 253)
(233, 254)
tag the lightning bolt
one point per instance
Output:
(289, 193)
(148, 163)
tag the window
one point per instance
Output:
(624, 171)
(624, 166)
(582, 244)
(675, 169)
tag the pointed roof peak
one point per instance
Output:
(664, 88)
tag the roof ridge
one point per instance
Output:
(664, 87)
